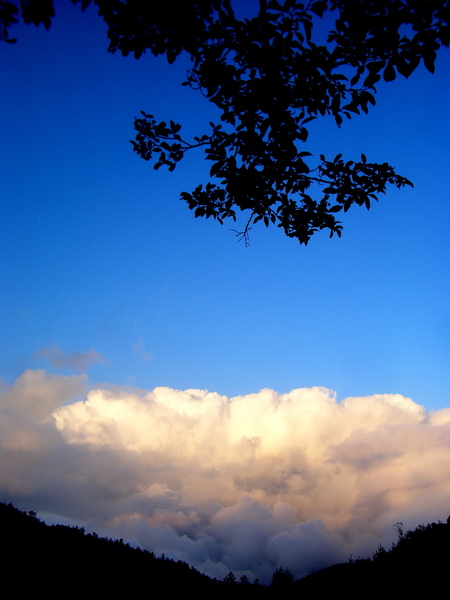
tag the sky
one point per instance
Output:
(236, 407)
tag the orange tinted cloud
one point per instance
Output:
(244, 484)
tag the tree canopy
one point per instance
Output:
(270, 74)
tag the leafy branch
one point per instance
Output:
(156, 137)
(270, 75)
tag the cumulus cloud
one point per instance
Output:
(245, 484)
(79, 361)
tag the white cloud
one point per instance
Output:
(246, 483)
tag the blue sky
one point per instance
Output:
(99, 253)
(109, 283)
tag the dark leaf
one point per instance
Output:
(389, 73)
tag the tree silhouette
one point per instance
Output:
(282, 577)
(230, 578)
(270, 74)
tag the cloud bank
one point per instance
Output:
(244, 484)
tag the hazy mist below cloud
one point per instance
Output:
(245, 484)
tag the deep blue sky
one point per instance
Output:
(100, 259)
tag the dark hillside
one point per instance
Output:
(59, 559)
(416, 566)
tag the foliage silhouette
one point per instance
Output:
(61, 557)
(415, 566)
(282, 577)
(269, 75)
(230, 579)
(64, 557)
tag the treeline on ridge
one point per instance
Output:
(60, 558)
